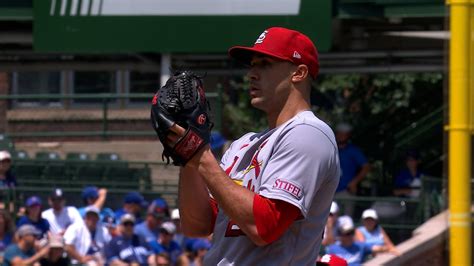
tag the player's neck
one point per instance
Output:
(282, 117)
(289, 110)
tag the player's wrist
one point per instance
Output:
(201, 156)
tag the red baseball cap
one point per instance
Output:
(282, 43)
(331, 260)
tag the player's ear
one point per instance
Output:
(300, 73)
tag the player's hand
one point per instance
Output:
(181, 101)
(330, 222)
(176, 132)
(102, 191)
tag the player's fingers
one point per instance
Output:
(178, 130)
(172, 138)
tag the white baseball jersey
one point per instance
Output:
(296, 162)
(59, 222)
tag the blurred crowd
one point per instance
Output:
(355, 244)
(148, 233)
(139, 233)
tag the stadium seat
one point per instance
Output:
(47, 155)
(108, 157)
(19, 154)
(77, 156)
(6, 143)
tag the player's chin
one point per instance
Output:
(258, 103)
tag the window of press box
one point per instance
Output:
(143, 82)
(38, 83)
(89, 82)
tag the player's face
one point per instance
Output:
(369, 223)
(91, 220)
(34, 211)
(29, 240)
(270, 82)
(5, 165)
(127, 228)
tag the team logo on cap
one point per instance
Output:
(296, 55)
(261, 37)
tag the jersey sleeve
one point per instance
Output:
(70, 235)
(75, 215)
(301, 161)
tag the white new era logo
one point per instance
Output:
(296, 55)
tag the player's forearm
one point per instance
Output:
(72, 252)
(31, 260)
(195, 211)
(99, 203)
(235, 200)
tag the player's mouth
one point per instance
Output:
(254, 91)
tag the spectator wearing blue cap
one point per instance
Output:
(132, 204)
(93, 196)
(60, 216)
(156, 213)
(33, 216)
(196, 250)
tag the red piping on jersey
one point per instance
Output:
(273, 217)
(215, 210)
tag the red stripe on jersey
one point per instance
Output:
(215, 210)
(229, 169)
(243, 146)
(273, 217)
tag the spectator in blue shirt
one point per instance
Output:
(7, 178)
(33, 216)
(133, 203)
(373, 235)
(165, 242)
(408, 180)
(354, 164)
(23, 252)
(93, 196)
(156, 213)
(128, 248)
(353, 252)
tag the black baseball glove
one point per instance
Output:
(182, 101)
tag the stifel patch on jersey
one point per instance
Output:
(289, 187)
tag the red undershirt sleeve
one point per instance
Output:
(215, 210)
(273, 217)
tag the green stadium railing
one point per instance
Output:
(105, 100)
(400, 215)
